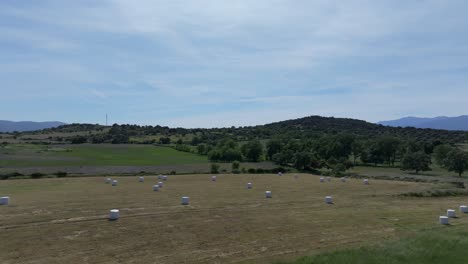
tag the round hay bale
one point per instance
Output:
(328, 199)
(280, 173)
(249, 185)
(451, 213)
(164, 177)
(443, 220)
(329, 179)
(343, 179)
(213, 178)
(115, 182)
(108, 180)
(185, 200)
(161, 184)
(366, 181)
(322, 179)
(160, 177)
(114, 214)
(268, 194)
(141, 179)
(5, 200)
(464, 209)
(156, 188)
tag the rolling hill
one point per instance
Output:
(10, 126)
(440, 122)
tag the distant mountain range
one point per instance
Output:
(440, 122)
(10, 126)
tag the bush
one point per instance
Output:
(173, 172)
(251, 170)
(214, 168)
(61, 174)
(278, 169)
(10, 175)
(37, 175)
(235, 166)
(260, 170)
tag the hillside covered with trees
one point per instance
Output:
(307, 144)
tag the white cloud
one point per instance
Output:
(269, 59)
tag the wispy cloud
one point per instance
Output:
(216, 63)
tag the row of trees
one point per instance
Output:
(228, 150)
(341, 152)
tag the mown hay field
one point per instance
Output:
(64, 220)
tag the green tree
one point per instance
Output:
(372, 154)
(273, 146)
(252, 150)
(417, 161)
(201, 149)
(235, 166)
(457, 161)
(441, 152)
(165, 140)
(302, 160)
(283, 158)
(357, 147)
(388, 147)
(214, 168)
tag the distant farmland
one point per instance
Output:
(104, 158)
(87, 154)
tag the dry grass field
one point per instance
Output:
(64, 220)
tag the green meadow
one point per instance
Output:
(97, 155)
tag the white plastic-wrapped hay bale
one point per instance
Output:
(443, 220)
(328, 199)
(108, 180)
(164, 177)
(249, 185)
(343, 179)
(322, 179)
(451, 213)
(464, 209)
(280, 173)
(160, 177)
(366, 181)
(115, 182)
(160, 184)
(141, 179)
(268, 194)
(213, 178)
(185, 200)
(155, 188)
(5, 200)
(114, 214)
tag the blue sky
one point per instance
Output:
(221, 63)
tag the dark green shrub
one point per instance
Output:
(61, 174)
(214, 168)
(37, 175)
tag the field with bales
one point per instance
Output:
(65, 220)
